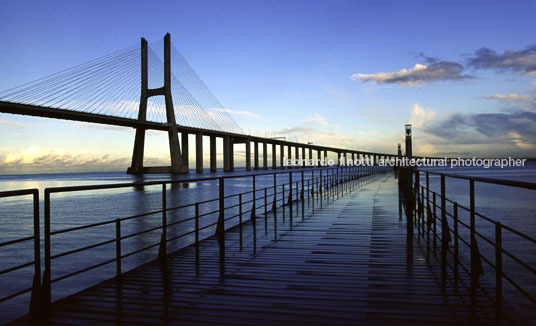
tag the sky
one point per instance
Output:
(339, 73)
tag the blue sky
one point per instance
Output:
(330, 72)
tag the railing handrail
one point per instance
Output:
(160, 182)
(423, 212)
(510, 183)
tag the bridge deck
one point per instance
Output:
(348, 263)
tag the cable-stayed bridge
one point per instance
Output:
(152, 86)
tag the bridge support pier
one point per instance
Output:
(282, 155)
(199, 152)
(248, 154)
(227, 154)
(289, 152)
(274, 156)
(256, 154)
(213, 162)
(265, 156)
(184, 141)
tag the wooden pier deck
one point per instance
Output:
(348, 263)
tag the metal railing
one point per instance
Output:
(321, 185)
(36, 262)
(427, 208)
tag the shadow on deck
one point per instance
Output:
(348, 263)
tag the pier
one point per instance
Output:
(336, 249)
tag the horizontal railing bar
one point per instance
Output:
(140, 215)
(510, 183)
(518, 233)
(81, 271)
(160, 182)
(82, 249)
(519, 288)
(484, 238)
(181, 236)
(11, 269)
(16, 294)
(207, 226)
(519, 261)
(139, 250)
(488, 262)
(10, 242)
(140, 232)
(81, 227)
(20, 192)
(181, 221)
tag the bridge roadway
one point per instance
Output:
(229, 140)
(348, 263)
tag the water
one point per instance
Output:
(513, 207)
(72, 209)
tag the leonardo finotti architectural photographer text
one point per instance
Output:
(413, 162)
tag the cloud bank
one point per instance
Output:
(523, 62)
(47, 160)
(417, 76)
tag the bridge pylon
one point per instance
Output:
(177, 164)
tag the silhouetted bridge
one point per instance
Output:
(115, 90)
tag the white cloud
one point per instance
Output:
(420, 117)
(240, 112)
(512, 98)
(15, 123)
(317, 118)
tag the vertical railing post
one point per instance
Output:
(434, 220)
(456, 248)
(313, 189)
(254, 214)
(290, 197)
(444, 233)
(36, 285)
(220, 227)
(320, 188)
(498, 271)
(423, 212)
(283, 200)
(417, 205)
(240, 218)
(265, 211)
(162, 252)
(118, 248)
(46, 287)
(197, 231)
(274, 206)
(302, 195)
(472, 233)
(428, 213)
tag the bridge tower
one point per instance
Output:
(177, 165)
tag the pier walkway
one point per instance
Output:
(347, 263)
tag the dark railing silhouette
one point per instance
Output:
(36, 262)
(323, 184)
(422, 205)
